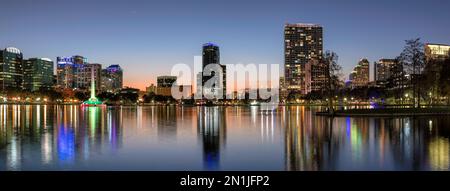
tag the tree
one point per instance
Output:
(332, 73)
(413, 60)
(396, 82)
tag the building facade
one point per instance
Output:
(315, 76)
(67, 71)
(37, 74)
(436, 51)
(211, 55)
(11, 69)
(283, 89)
(302, 43)
(360, 75)
(164, 85)
(76, 73)
(383, 71)
(112, 78)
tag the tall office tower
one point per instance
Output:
(37, 74)
(436, 51)
(11, 68)
(67, 71)
(85, 76)
(382, 70)
(302, 43)
(211, 55)
(75, 73)
(360, 74)
(112, 78)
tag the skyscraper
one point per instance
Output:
(360, 74)
(75, 73)
(37, 74)
(211, 55)
(302, 43)
(85, 76)
(112, 78)
(67, 71)
(11, 68)
(382, 70)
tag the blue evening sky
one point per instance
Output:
(148, 37)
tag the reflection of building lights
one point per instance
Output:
(439, 154)
(430, 125)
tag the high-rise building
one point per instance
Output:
(302, 43)
(112, 78)
(67, 71)
(436, 51)
(85, 76)
(211, 55)
(37, 74)
(75, 73)
(382, 70)
(11, 68)
(315, 76)
(360, 75)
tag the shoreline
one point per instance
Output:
(388, 112)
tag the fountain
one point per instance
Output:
(92, 101)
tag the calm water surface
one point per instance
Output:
(40, 137)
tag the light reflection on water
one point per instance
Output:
(44, 137)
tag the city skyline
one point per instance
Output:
(147, 34)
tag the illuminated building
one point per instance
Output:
(382, 71)
(302, 43)
(315, 76)
(11, 68)
(211, 55)
(436, 51)
(37, 74)
(67, 71)
(283, 89)
(75, 73)
(112, 78)
(360, 74)
(85, 73)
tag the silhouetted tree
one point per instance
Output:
(333, 69)
(413, 60)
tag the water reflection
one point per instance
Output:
(366, 143)
(45, 137)
(212, 130)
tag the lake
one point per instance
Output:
(70, 137)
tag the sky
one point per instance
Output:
(146, 38)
